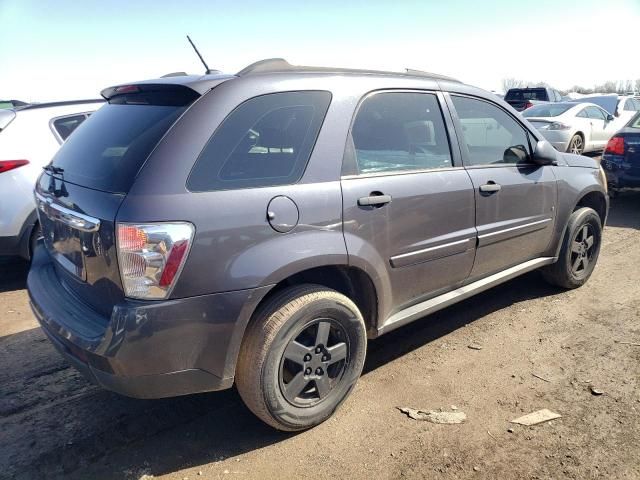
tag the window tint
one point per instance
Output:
(491, 135)
(526, 94)
(109, 149)
(266, 141)
(400, 131)
(595, 113)
(64, 126)
(547, 110)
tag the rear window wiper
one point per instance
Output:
(53, 169)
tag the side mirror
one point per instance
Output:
(545, 154)
(610, 118)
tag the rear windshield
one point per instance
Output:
(547, 110)
(107, 150)
(526, 94)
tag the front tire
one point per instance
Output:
(301, 357)
(579, 251)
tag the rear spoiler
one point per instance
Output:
(150, 94)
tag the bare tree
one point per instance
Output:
(638, 85)
(508, 83)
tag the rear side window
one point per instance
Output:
(400, 131)
(492, 136)
(266, 141)
(66, 125)
(108, 149)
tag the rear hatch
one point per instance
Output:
(518, 98)
(80, 192)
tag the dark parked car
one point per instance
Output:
(260, 227)
(523, 98)
(621, 159)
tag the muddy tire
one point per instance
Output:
(301, 356)
(579, 252)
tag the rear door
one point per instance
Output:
(408, 203)
(515, 199)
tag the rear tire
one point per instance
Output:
(576, 145)
(301, 357)
(579, 251)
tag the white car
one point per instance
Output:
(573, 127)
(29, 137)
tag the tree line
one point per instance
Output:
(611, 86)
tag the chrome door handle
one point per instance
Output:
(374, 200)
(490, 187)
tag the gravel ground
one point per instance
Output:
(540, 348)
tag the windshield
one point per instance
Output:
(526, 94)
(108, 149)
(547, 110)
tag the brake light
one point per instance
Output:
(527, 105)
(151, 257)
(6, 165)
(127, 89)
(615, 146)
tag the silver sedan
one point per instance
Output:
(573, 127)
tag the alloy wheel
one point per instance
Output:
(313, 362)
(582, 250)
(577, 145)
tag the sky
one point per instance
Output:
(70, 49)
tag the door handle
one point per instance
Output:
(490, 187)
(374, 200)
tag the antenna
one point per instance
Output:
(207, 69)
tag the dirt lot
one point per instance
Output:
(54, 424)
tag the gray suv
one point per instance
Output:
(258, 228)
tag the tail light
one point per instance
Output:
(6, 165)
(615, 146)
(559, 126)
(527, 105)
(151, 257)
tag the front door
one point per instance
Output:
(408, 207)
(515, 198)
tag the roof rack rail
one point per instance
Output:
(60, 104)
(272, 65)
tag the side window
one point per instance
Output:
(491, 135)
(66, 125)
(266, 141)
(583, 113)
(631, 105)
(400, 131)
(595, 113)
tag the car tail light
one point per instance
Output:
(559, 126)
(527, 105)
(615, 146)
(6, 165)
(151, 257)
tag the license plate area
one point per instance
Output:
(65, 245)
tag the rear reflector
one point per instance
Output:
(151, 257)
(6, 165)
(615, 146)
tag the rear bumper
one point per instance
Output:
(145, 349)
(619, 175)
